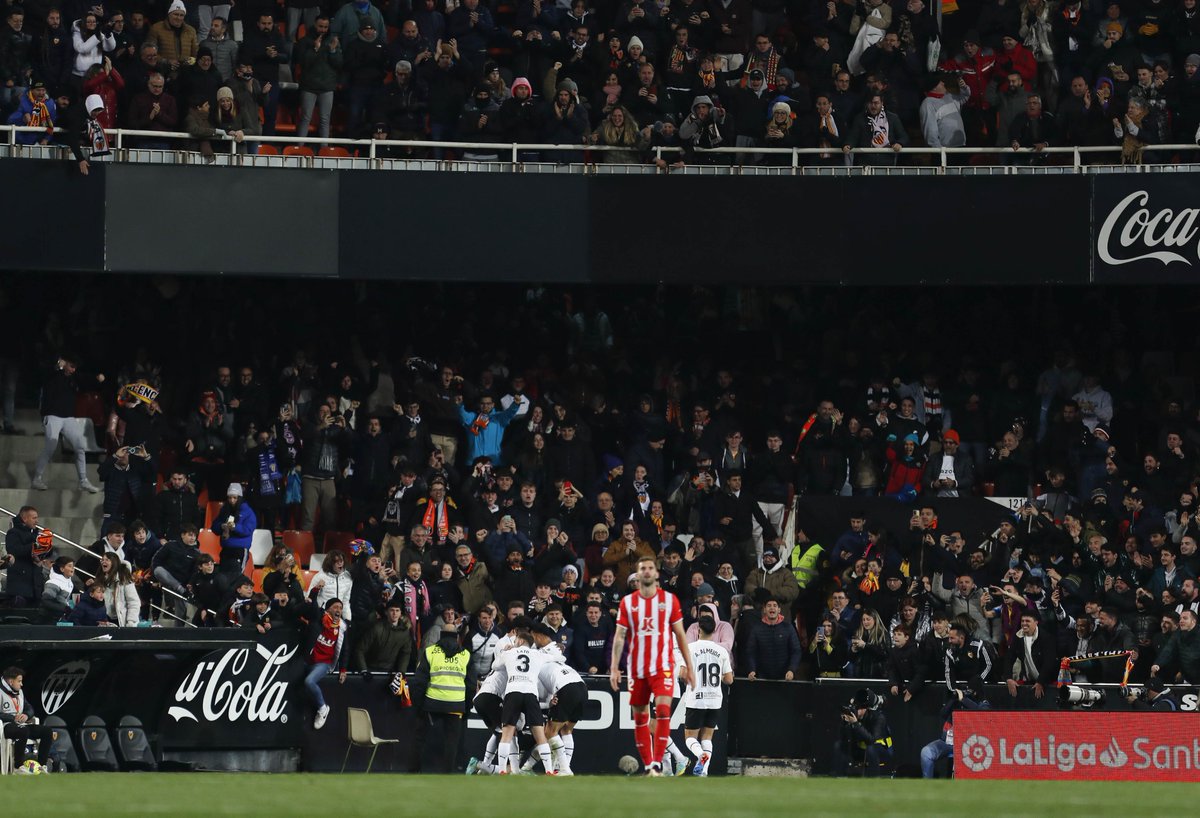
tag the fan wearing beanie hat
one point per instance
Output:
(775, 578)
(952, 473)
(236, 523)
(178, 43)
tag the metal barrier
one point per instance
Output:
(510, 157)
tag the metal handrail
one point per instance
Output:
(91, 553)
(514, 149)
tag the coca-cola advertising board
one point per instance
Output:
(1093, 746)
(245, 695)
(1146, 228)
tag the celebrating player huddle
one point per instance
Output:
(530, 687)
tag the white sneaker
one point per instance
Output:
(322, 715)
(86, 485)
(23, 770)
(39, 484)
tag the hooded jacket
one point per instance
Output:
(723, 635)
(778, 581)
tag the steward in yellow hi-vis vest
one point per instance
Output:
(441, 685)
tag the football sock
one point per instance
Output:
(707, 745)
(693, 745)
(566, 753)
(675, 752)
(662, 730)
(543, 751)
(502, 750)
(641, 735)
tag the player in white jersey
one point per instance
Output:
(704, 699)
(566, 693)
(523, 664)
(489, 702)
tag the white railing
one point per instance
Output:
(1061, 158)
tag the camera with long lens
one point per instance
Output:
(1076, 696)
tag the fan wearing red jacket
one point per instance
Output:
(1014, 57)
(653, 619)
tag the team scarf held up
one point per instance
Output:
(97, 138)
(442, 528)
(39, 116)
(480, 423)
(142, 392)
(268, 471)
(880, 130)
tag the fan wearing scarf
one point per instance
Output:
(36, 110)
(16, 716)
(875, 128)
(326, 649)
(485, 428)
(84, 134)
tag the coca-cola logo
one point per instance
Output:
(227, 690)
(62, 684)
(1131, 231)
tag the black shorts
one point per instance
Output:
(517, 703)
(570, 703)
(489, 707)
(697, 718)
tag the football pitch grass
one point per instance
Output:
(251, 795)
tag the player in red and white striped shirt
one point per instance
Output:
(653, 620)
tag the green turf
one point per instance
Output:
(256, 796)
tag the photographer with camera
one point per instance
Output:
(128, 479)
(866, 738)
(944, 747)
(1154, 696)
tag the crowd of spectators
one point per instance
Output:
(633, 75)
(523, 462)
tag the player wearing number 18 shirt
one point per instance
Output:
(652, 620)
(704, 699)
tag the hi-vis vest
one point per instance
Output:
(806, 567)
(447, 675)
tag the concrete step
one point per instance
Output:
(19, 475)
(84, 531)
(29, 421)
(25, 447)
(71, 502)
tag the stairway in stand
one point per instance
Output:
(65, 508)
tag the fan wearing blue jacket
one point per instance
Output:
(236, 522)
(485, 428)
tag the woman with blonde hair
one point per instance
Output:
(869, 647)
(619, 130)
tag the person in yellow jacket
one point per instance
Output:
(441, 683)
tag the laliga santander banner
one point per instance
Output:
(1077, 746)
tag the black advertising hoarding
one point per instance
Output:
(1146, 228)
(242, 696)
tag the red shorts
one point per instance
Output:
(655, 686)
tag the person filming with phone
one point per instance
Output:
(128, 478)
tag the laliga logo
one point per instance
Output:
(977, 753)
(261, 699)
(1166, 228)
(62, 683)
